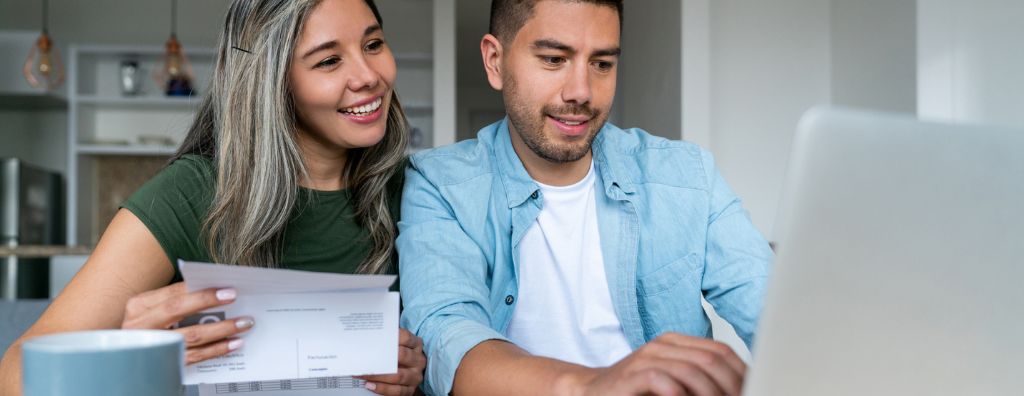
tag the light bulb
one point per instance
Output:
(176, 73)
(43, 68)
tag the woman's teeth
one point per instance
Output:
(365, 109)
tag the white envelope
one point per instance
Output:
(308, 325)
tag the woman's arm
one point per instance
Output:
(127, 262)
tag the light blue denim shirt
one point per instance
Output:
(671, 232)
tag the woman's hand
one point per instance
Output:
(411, 362)
(166, 306)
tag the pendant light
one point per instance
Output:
(175, 73)
(43, 68)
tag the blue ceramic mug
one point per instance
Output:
(104, 362)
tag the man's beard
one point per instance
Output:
(530, 126)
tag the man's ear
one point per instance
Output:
(491, 51)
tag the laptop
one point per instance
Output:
(900, 267)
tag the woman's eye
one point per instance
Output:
(327, 62)
(375, 45)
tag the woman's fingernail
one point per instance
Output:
(244, 323)
(371, 386)
(226, 294)
(235, 344)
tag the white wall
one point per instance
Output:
(751, 68)
(874, 54)
(478, 104)
(770, 61)
(38, 137)
(648, 94)
(971, 61)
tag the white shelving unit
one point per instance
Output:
(103, 122)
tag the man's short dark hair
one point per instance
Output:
(508, 16)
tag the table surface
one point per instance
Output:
(37, 251)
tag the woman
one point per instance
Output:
(293, 161)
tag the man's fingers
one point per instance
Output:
(651, 381)
(711, 363)
(211, 332)
(712, 346)
(695, 379)
(201, 353)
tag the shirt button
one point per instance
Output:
(534, 195)
(509, 299)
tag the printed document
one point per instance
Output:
(308, 326)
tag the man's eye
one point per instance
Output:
(553, 60)
(327, 62)
(604, 65)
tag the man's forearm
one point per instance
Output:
(497, 367)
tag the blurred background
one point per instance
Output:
(731, 75)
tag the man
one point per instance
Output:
(558, 254)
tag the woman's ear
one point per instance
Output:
(491, 51)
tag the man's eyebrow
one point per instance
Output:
(608, 52)
(559, 46)
(553, 44)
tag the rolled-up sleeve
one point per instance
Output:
(737, 258)
(444, 281)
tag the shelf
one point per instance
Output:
(140, 101)
(43, 251)
(32, 101)
(115, 149)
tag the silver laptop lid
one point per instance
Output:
(900, 261)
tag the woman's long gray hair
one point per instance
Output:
(247, 125)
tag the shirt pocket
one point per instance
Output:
(670, 299)
(670, 275)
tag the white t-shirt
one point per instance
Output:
(564, 310)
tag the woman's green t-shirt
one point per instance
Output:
(322, 234)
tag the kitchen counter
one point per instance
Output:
(36, 251)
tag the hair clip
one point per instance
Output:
(240, 49)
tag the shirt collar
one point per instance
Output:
(610, 165)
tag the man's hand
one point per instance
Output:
(672, 364)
